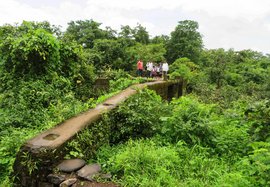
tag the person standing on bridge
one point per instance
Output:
(154, 71)
(140, 68)
(165, 69)
(149, 67)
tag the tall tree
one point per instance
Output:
(84, 32)
(126, 32)
(132, 35)
(185, 41)
(140, 34)
(150, 52)
(110, 33)
(126, 37)
(111, 52)
(160, 39)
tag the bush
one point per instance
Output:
(137, 117)
(256, 165)
(34, 52)
(122, 83)
(143, 163)
(89, 140)
(259, 115)
(148, 163)
(184, 68)
(189, 121)
(230, 129)
(10, 141)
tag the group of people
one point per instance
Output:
(153, 70)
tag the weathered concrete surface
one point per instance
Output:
(45, 149)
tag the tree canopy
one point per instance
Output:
(185, 41)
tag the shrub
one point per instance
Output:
(256, 165)
(184, 68)
(146, 162)
(259, 115)
(137, 117)
(34, 52)
(189, 122)
(143, 163)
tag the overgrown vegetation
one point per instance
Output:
(216, 135)
(189, 144)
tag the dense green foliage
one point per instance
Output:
(185, 41)
(194, 144)
(216, 135)
(45, 80)
(189, 144)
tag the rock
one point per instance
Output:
(88, 171)
(71, 165)
(68, 182)
(45, 184)
(106, 176)
(56, 178)
(93, 184)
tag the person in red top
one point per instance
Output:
(140, 68)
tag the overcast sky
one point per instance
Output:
(238, 24)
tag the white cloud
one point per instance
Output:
(224, 23)
(248, 9)
(12, 11)
(138, 4)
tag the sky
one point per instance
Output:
(237, 24)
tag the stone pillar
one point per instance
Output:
(102, 84)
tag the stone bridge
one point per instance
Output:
(39, 155)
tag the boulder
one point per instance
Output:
(88, 171)
(56, 178)
(71, 165)
(68, 182)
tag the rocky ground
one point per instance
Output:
(76, 173)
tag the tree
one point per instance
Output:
(184, 68)
(126, 37)
(111, 51)
(84, 32)
(126, 32)
(29, 50)
(53, 29)
(110, 33)
(160, 39)
(140, 34)
(185, 41)
(151, 52)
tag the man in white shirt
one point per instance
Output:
(165, 69)
(149, 67)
